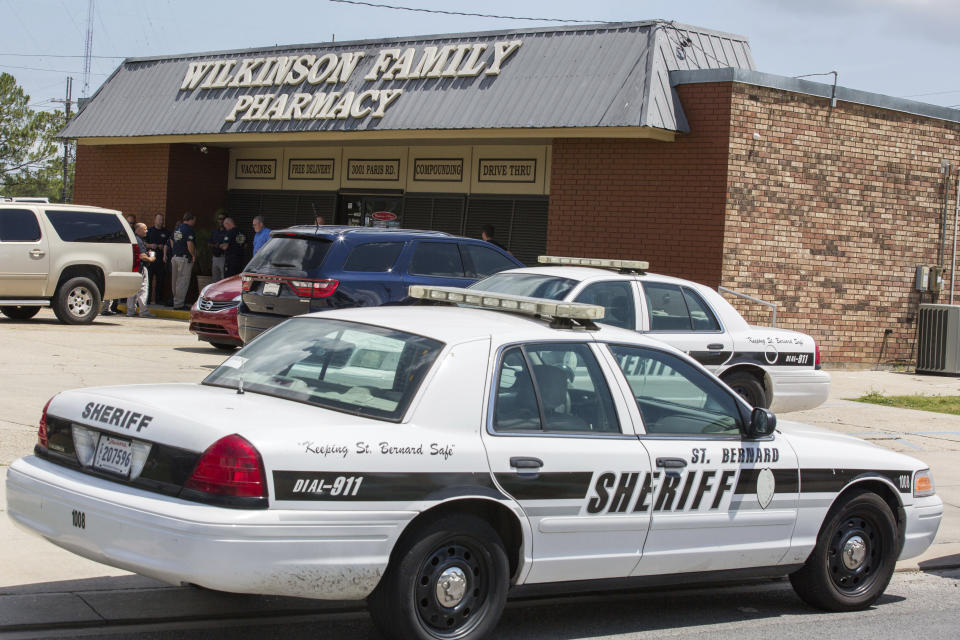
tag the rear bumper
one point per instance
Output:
(121, 284)
(799, 390)
(250, 324)
(335, 555)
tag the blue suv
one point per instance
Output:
(307, 268)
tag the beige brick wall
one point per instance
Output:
(829, 213)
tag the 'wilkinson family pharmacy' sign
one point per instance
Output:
(309, 71)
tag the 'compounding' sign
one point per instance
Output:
(309, 72)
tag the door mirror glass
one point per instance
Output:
(762, 423)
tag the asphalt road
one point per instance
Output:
(916, 604)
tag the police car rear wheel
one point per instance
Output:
(854, 558)
(77, 301)
(19, 313)
(448, 580)
(749, 388)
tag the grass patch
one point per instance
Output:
(937, 404)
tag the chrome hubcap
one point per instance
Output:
(854, 552)
(451, 587)
(80, 301)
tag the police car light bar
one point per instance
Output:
(502, 302)
(603, 263)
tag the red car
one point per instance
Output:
(214, 315)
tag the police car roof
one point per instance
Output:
(454, 325)
(592, 273)
(330, 230)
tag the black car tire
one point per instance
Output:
(862, 525)
(223, 346)
(749, 388)
(19, 312)
(77, 301)
(458, 554)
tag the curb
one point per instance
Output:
(161, 312)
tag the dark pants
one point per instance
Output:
(157, 274)
(232, 268)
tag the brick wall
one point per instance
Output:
(131, 178)
(829, 213)
(663, 202)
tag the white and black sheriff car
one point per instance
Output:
(428, 458)
(771, 368)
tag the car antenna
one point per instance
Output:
(313, 205)
(240, 382)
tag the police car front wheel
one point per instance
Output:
(854, 558)
(448, 579)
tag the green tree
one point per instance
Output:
(30, 157)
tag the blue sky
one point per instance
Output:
(903, 48)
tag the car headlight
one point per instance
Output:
(923, 484)
(238, 297)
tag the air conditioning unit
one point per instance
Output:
(938, 339)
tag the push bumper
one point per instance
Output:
(335, 555)
(797, 391)
(923, 521)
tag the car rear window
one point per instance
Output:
(293, 254)
(88, 226)
(356, 368)
(373, 257)
(18, 225)
(484, 261)
(533, 285)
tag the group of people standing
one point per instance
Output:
(164, 253)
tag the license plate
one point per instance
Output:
(113, 455)
(271, 289)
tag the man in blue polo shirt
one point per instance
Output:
(184, 253)
(261, 235)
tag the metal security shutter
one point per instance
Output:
(312, 204)
(520, 224)
(417, 213)
(280, 208)
(448, 215)
(242, 206)
(528, 230)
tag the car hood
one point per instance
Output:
(225, 290)
(819, 448)
(193, 416)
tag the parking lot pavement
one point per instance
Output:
(931, 437)
(42, 357)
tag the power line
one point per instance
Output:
(10, 66)
(50, 55)
(934, 93)
(464, 13)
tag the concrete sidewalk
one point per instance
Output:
(42, 585)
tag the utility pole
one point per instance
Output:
(66, 143)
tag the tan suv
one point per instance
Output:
(68, 257)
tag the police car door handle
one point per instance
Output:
(526, 463)
(671, 463)
(714, 347)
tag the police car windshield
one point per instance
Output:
(527, 284)
(345, 366)
(298, 254)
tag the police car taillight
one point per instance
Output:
(42, 430)
(230, 467)
(136, 257)
(313, 288)
(816, 354)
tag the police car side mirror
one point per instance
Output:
(762, 423)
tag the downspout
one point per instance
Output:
(956, 216)
(945, 167)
